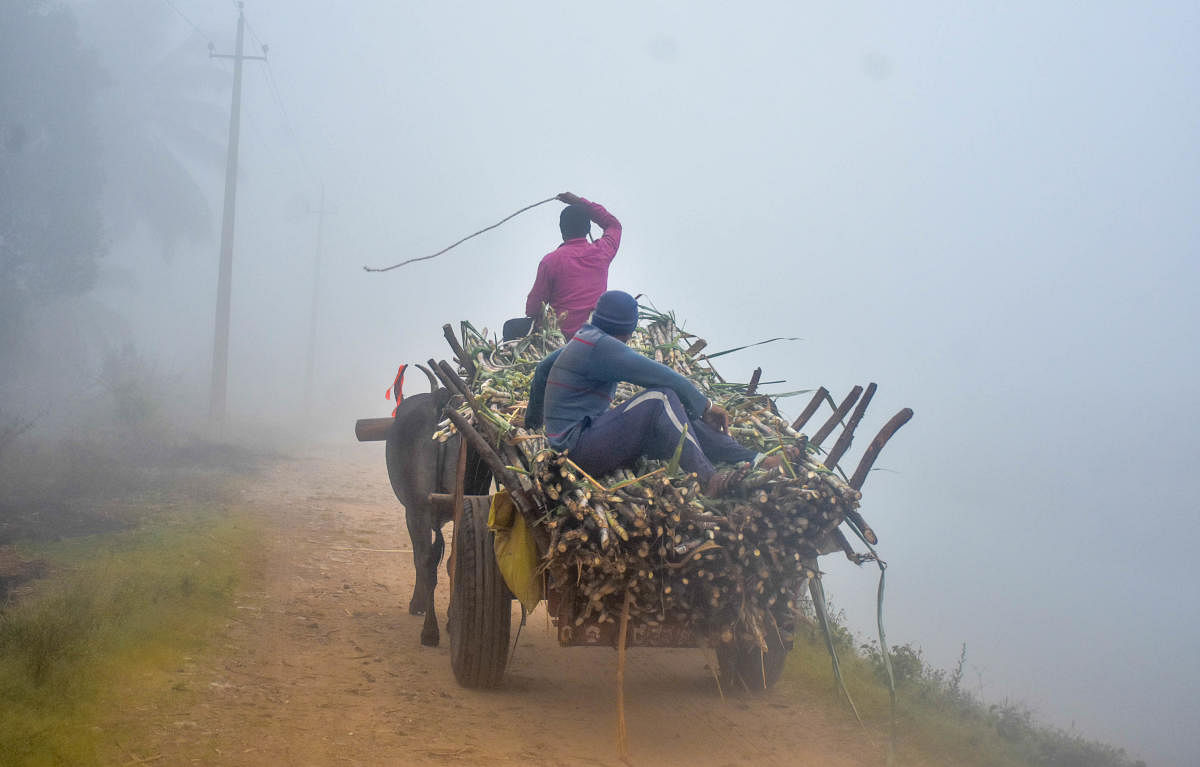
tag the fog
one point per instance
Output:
(990, 211)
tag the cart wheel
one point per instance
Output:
(745, 666)
(480, 604)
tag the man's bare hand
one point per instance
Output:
(569, 198)
(716, 417)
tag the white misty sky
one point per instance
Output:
(989, 209)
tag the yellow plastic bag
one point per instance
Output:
(516, 553)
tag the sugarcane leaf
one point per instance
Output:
(673, 466)
(790, 393)
(740, 387)
(747, 346)
(636, 480)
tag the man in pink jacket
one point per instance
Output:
(573, 276)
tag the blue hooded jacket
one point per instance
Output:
(576, 383)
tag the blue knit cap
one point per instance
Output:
(616, 313)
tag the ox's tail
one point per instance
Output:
(439, 548)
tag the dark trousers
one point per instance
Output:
(650, 425)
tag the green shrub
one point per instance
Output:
(939, 722)
(51, 631)
(112, 604)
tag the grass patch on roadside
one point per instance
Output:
(114, 606)
(938, 722)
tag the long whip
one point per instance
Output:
(460, 242)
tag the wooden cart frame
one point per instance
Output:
(480, 611)
(480, 603)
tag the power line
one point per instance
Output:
(277, 97)
(257, 39)
(287, 121)
(269, 150)
(249, 27)
(187, 20)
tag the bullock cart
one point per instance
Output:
(641, 558)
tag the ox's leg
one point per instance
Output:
(412, 462)
(429, 631)
(418, 521)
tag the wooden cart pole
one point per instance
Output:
(460, 480)
(506, 451)
(505, 476)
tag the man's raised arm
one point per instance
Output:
(611, 239)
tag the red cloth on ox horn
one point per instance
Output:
(396, 388)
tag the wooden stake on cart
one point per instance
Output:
(460, 479)
(752, 387)
(521, 500)
(811, 408)
(837, 416)
(500, 470)
(843, 443)
(864, 467)
(872, 451)
(460, 354)
(510, 455)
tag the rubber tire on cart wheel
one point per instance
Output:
(746, 667)
(480, 603)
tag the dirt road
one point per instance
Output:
(323, 666)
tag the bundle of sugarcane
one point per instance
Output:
(730, 567)
(727, 567)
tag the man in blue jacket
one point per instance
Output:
(574, 386)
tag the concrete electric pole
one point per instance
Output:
(312, 317)
(220, 366)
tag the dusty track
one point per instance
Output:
(323, 666)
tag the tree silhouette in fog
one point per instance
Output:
(51, 230)
(162, 121)
(110, 114)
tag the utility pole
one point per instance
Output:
(220, 366)
(312, 316)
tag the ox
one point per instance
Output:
(417, 466)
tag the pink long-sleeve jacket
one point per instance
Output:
(572, 277)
